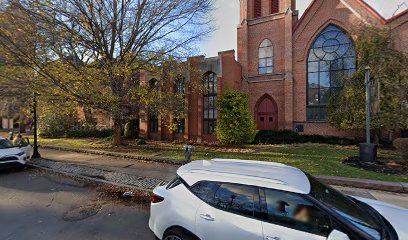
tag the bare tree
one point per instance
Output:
(90, 50)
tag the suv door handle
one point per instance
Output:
(272, 238)
(207, 217)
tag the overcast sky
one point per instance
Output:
(227, 19)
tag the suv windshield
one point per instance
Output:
(346, 207)
(4, 144)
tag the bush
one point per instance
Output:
(85, 131)
(401, 144)
(131, 129)
(290, 137)
(140, 141)
(54, 124)
(236, 124)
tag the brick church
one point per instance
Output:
(289, 66)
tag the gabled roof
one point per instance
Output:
(372, 11)
(403, 13)
(365, 5)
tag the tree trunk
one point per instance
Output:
(117, 130)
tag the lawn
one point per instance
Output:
(319, 159)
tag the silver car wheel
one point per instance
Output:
(173, 237)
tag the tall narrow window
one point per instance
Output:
(180, 90)
(153, 122)
(210, 99)
(257, 8)
(332, 58)
(266, 57)
(179, 85)
(274, 6)
(180, 125)
(153, 115)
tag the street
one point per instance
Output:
(38, 206)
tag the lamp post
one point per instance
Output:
(36, 154)
(368, 104)
(368, 151)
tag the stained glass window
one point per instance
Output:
(332, 58)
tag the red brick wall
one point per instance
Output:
(399, 32)
(291, 40)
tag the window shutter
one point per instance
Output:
(274, 6)
(257, 8)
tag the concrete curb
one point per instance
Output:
(86, 178)
(397, 187)
(116, 154)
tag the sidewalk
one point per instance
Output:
(146, 173)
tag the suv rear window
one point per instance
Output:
(205, 191)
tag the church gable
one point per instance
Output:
(347, 14)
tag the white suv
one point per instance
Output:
(248, 200)
(12, 156)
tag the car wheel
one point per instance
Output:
(177, 234)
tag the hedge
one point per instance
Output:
(290, 137)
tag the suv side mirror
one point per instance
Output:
(337, 235)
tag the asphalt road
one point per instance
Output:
(38, 206)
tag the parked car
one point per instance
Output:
(27, 148)
(248, 200)
(12, 156)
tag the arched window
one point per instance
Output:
(332, 58)
(153, 122)
(210, 99)
(266, 57)
(257, 8)
(274, 6)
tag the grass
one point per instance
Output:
(319, 159)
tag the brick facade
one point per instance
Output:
(286, 85)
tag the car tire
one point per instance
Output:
(178, 234)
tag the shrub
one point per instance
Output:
(140, 141)
(236, 124)
(401, 144)
(290, 137)
(131, 129)
(54, 124)
(88, 131)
